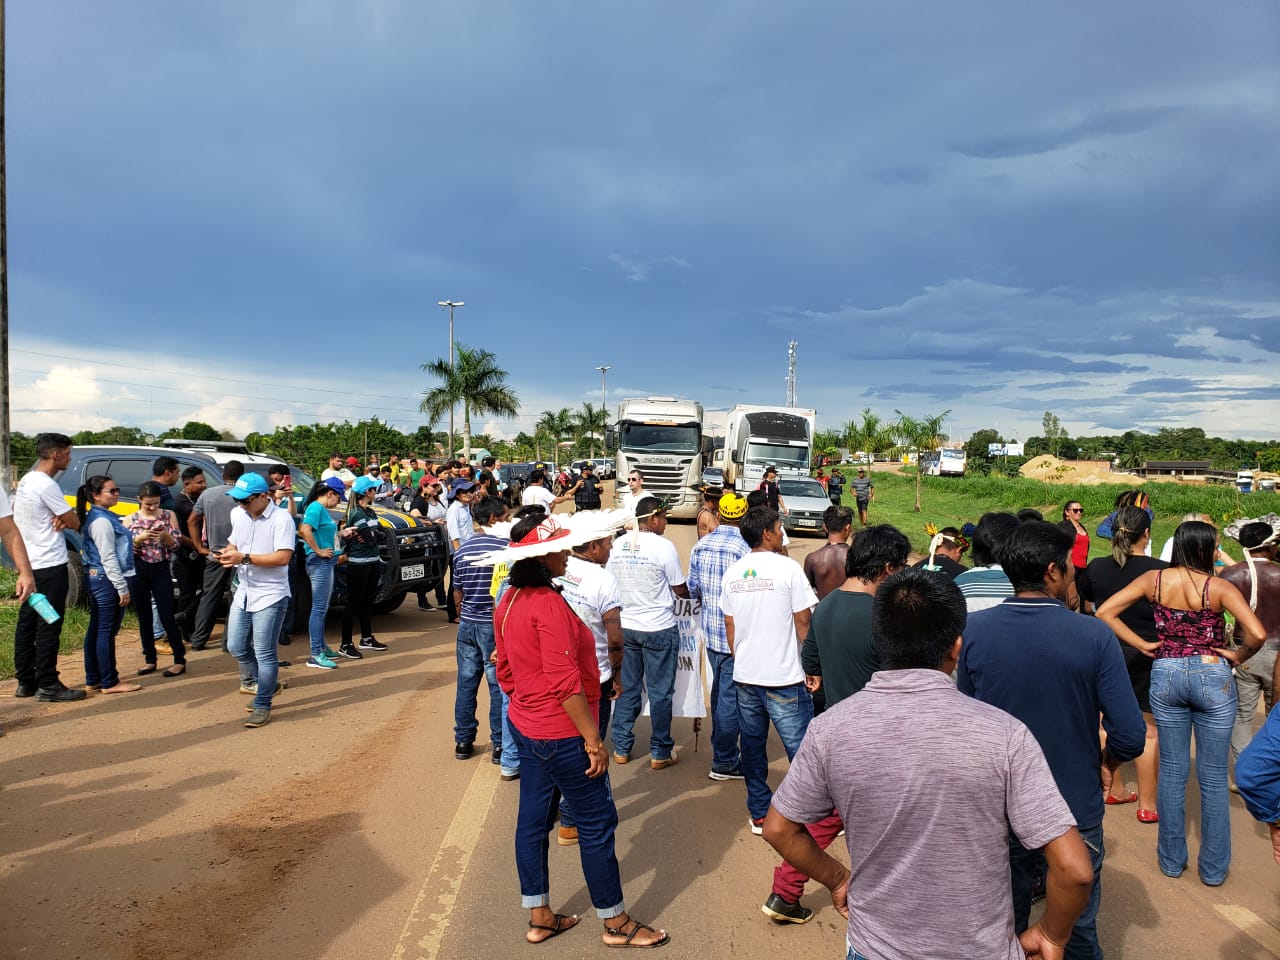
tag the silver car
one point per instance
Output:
(807, 500)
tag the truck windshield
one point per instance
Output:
(779, 455)
(660, 438)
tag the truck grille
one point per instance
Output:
(665, 478)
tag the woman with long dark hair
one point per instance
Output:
(546, 663)
(362, 531)
(155, 538)
(1192, 690)
(107, 552)
(427, 507)
(1099, 582)
(319, 532)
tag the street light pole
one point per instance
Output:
(450, 304)
(604, 399)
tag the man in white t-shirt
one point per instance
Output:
(635, 491)
(766, 600)
(41, 514)
(536, 493)
(649, 577)
(337, 469)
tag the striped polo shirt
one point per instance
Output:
(473, 580)
(984, 587)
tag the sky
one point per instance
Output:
(245, 213)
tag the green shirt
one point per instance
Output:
(839, 647)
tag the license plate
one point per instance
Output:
(806, 523)
(414, 571)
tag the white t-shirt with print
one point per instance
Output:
(592, 591)
(761, 592)
(646, 567)
(538, 496)
(35, 504)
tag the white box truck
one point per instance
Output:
(760, 437)
(662, 438)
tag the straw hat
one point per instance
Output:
(558, 533)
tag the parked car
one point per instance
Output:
(605, 468)
(807, 500)
(713, 477)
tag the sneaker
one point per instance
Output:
(510, 775)
(497, 754)
(259, 718)
(332, 654)
(734, 774)
(784, 911)
(321, 663)
(370, 643)
(251, 688)
(349, 651)
(567, 836)
(757, 826)
(463, 751)
(423, 605)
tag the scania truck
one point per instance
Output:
(760, 437)
(662, 438)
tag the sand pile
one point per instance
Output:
(1088, 473)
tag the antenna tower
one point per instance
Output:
(791, 374)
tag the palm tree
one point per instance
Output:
(476, 382)
(590, 422)
(557, 426)
(872, 435)
(916, 436)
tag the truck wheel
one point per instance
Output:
(389, 604)
(301, 584)
(77, 593)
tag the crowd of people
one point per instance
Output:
(1017, 689)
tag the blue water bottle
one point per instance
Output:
(41, 605)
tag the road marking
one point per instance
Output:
(1252, 925)
(427, 930)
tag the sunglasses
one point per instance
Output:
(110, 489)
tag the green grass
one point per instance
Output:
(953, 501)
(74, 625)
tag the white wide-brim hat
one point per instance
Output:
(1233, 529)
(558, 533)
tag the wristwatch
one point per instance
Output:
(245, 560)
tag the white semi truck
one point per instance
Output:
(760, 437)
(662, 438)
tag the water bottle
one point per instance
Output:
(41, 605)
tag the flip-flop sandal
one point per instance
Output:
(559, 928)
(1113, 801)
(149, 668)
(174, 671)
(617, 932)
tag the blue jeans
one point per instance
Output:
(1025, 864)
(606, 691)
(550, 769)
(510, 752)
(1189, 695)
(320, 573)
(725, 754)
(790, 709)
(105, 614)
(648, 661)
(251, 639)
(475, 644)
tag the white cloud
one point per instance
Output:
(637, 271)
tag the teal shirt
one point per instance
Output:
(324, 527)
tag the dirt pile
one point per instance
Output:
(1088, 473)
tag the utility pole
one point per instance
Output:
(791, 374)
(448, 455)
(5, 466)
(604, 401)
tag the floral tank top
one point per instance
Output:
(1188, 633)
(152, 551)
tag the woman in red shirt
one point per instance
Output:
(546, 663)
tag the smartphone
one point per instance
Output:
(287, 485)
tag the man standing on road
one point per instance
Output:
(536, 493)
(259, 548)
(952, 778)
(766, 602)
(986, 585)
(343, 473)
(824, 568)
(1258, 579)
(474, 602)
(649, 577)
(41, 513)
(164, 471)
(635, 491)
(772, 491)
(947, 551)
(458, 519)
(586, 492)
(864, 491)
(835, 486)
(17, 550)
(1056, 671)
(711, 557)
(209, 527)
(188, 564)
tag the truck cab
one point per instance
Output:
(760, 437)
(662, 438)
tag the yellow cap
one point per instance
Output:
(732, 506)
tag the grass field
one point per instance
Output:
(953, 501)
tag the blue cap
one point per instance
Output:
(247, 486)
(461, 483)
(337, 486)
(364, 484)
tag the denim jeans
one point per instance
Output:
(1025, 864)
(252, 639)
(475, 644)
(510, 752)
(35, 643)
(105, 614)
(790, 709)
(648, 662)
(1253, 683)
(725, 753)
(1191, 694)
(606, 691)
(320, 573)
(550, 769)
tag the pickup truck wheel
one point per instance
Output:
(301, 584)
(389, 604)
(77, 592)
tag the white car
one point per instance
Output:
(806, 501)
(604, 468)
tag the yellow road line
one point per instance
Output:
(1251, 925)
(427, 923)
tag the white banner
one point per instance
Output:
(690, 699)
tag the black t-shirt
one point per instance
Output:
(839, 647)
(587, 496)
(949, 567)
(771, 493)
(420, 504)
(1104, 578)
